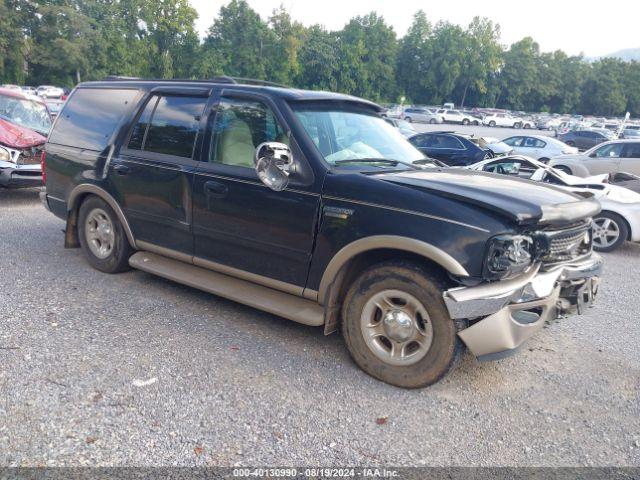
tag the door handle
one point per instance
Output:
(121, 169)
(215, 189)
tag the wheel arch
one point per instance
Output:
(76, 197)
(359, 255)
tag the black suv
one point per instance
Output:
(307, 205)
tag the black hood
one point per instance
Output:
(520, 200)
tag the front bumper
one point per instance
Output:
(15, 176)
(505, 314)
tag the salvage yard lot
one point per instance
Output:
(131, 369)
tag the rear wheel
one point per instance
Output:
(432, 121)
(102, 237)
(465, 121)
(476, 123)
(492, 123)
(609, 231)
(396, 325)
(517, 125)
(526, 126)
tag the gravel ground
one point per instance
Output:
(131, 369)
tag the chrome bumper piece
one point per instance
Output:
(516, 309)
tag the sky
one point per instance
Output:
(588, 27)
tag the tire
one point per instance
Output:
(492, 123)
(109, 250)
(526, 126)
(544, 160)
(432, 121)
(465, 121)
(408, 119)
(609, 222)
(476, 123)
(564, 169)
(424, 363)
(517, 125)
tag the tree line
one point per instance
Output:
(66, 41)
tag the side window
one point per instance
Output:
(513, 141)
(242, 125)
(168, 125)
(136, 140)
(91, 116)
(632, 150)
(421, 140)
(539, 143)
(447, 141)
(612, 150)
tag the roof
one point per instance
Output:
(292, 94)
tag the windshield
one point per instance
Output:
(26, 113)
(346, 136)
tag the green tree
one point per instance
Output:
(414, 60)
(318, 60)
(519, 75)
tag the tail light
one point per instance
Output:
(43, 166)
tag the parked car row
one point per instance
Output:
(44, 91)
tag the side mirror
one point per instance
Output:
(274, 164)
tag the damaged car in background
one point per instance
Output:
(619, 219)
(24, 124)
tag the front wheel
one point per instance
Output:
(492, 123)
(476, 123)
(465, 122)
(609, 231)
(102, 237)
(396, 325)
(517, 125)
(432, 121)
(408, 119)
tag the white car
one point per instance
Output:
(538, 146)
(505, 120)
(608, 157)
(619, 219)
(48, 91)
(456, 116)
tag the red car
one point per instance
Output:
(24, 124)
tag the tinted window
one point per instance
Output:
(174, 126)
(140, 129)
(632, 150)
(242, 125)
(91, 116)
(514, 141)
(447, 141)
(421, 140)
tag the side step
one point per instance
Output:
(279, 303)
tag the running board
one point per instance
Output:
(263, 298)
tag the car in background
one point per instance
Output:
(617, 222)
(585, 139)
(450, 148)
(456, 116)
(610, 157)
(505, 120)
(405, 128)
(421, 115)
(549, 123)
(497, 146)
(630, 133)
(49, 91)
(24, 125)
(29, 90)
(539, 147)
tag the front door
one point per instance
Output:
(152, 175)
(241, 226)
(605, 159)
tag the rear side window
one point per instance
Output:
(168, 125)
(91, 116)
(447, 141)
(632, 150)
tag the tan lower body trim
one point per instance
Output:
(248, 293)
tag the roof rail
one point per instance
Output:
(219, 79)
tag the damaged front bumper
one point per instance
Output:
(503, 315)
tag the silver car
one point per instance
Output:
(421, 115)
(608, 157)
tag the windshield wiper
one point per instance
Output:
(368, 160)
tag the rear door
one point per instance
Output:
(241, 226)
(630, 160)
(153, 172)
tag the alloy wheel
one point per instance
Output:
(606, 232)
(99, 233)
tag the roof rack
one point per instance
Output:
(219, 79)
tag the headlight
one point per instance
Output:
(5, 155)
(508, 255)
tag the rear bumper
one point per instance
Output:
(505, 314)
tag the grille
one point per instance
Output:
(29, 157)
(565, 245)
